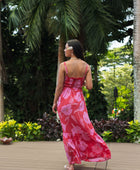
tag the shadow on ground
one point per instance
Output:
(91, 166)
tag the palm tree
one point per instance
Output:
(137, 60)
(88, 21)
(59, 18)
(63, 22)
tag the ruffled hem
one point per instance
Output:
(90, 160)
(75, 155)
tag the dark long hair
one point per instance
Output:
(77, 48)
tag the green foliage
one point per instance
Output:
(64, 14)
(122, 80)
(120, 76)
(134, 131)
(112, 130)
(96, 103)
(31, 75)
(30, 18)
(29, 131)
(128, 113)
(116, 130)
(104, 21)
(107, 136)
(59, 17)
(8, 128)
(26, 131)
(97, 24)
(122, 11)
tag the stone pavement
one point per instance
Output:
(51, 156)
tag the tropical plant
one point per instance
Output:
(96, 103)
(67, 19)
(8, 128)
(112, 130)
(50, 127)
(123, 81)
(59, 17)
(134, 131)
(107, 136)
(117, 57)
(31, 74)
(26, 131)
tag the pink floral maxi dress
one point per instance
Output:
(81, 142)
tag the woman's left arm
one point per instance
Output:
(59, 86)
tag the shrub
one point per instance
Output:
(51, 128)
(96, 103)
(8, 128)
(26, 131)
(133, 131)
(107, 136)
(115, 130)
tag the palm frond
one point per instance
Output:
(35, 21)
(65, 18)
(119, 4)
(97, 24)
(30, 15)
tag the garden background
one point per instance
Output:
(32, 41)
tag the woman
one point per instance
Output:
(81, 142)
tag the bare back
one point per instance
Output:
(76, 68)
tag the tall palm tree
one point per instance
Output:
(89, 21)
(63, 22)
(137, 60)
(59, 17)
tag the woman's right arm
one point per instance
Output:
(59, 86)
(89, 84)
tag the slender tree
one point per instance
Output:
(137, 60)
(2, 71)
(1, 83)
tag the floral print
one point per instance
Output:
(66, 93)
(78, 96)
(81, 142)
(66, 109)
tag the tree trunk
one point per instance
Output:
(1, 78)
(60, 54)
(137, 59)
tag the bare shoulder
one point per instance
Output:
(61, 66)
(86, 64)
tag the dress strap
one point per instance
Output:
(86, 69)
(66, 68)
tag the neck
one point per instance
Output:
(74, 58)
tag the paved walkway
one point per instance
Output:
(51, 156)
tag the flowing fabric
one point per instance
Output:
(81, 142)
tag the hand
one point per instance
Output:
(54, 107)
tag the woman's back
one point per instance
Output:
(76, 68)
